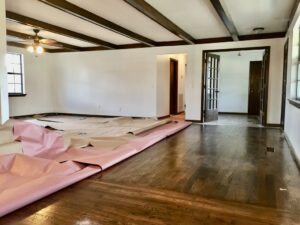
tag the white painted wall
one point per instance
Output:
(120, 83)
(292, 116)
(38, 72)
(4, 109)
(234, 79)
(124, 82)
(163, 83)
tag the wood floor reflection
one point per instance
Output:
(202, 175)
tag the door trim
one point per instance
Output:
(266, 48)
(284, 83)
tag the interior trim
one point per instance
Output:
(295, 103)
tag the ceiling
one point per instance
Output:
(194, 20)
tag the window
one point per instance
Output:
(14, 74)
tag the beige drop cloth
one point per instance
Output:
(7, 143)
(99, 132)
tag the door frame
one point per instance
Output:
(175, 85)
(284, 82)
(204, 52)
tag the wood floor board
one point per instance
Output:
(203, 175)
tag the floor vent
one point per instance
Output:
(270, 149)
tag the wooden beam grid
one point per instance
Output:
(140, 5)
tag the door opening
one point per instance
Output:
(254, 88)
(173, 86)
(235, 86)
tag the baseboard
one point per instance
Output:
(180, 112)
(194, 121)
(273, 125)
(57, 114)
(293, 151)
(234, 113)
(163, 117)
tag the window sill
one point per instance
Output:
(17, 95)
(295, 103)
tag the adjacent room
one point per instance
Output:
(149, 112)
(235, 93)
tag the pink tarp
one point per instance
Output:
(48, 166)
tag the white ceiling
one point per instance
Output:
(45, 13)
(246, 53)
(121, 13)
(273, 15)
(197, 17)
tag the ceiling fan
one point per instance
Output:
(37, 41)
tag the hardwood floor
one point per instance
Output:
(202, 175)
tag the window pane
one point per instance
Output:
(11, 79)
(17, 68)
(11, 88)
(18, 88)
(18, 79)
(10, 68)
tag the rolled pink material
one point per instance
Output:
(48, 166)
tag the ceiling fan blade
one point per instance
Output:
(47, 41)
(54, 44)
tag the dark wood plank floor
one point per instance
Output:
(202, 175)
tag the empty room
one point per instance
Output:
(149, 112)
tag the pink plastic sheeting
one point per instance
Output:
(38, 173)
(25, 179)
(38, 141)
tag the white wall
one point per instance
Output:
(292, 116)
(234, 79)
(4, 110)
(163, 83)
(123, 82)
(38, 85)
(106, 83)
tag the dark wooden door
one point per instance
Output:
(173, 86)
(254, 92)
(264, 89)
(284, 80)
(211, 87)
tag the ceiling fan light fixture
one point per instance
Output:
(30, 49)
(258, 30)
(39, 49)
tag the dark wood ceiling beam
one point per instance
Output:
(155, 15)
(198, 41)
(225, 19)
(178, 43)
(28, 36)
(97, 20)
(55, 29)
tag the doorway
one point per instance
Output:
(238, 92)
(173, 86)
(254, 88)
